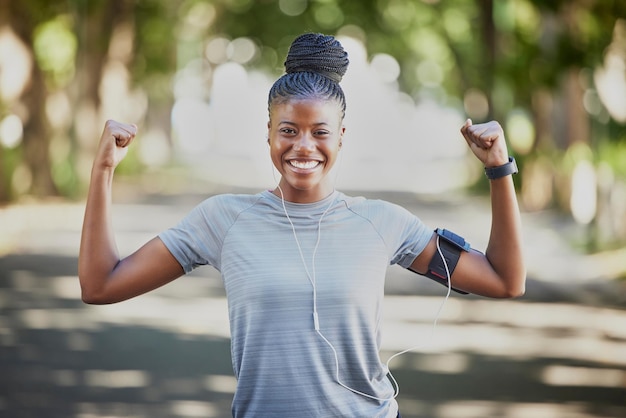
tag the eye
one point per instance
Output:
(287, 131)
(321, 132)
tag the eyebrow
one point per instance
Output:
(286, 122)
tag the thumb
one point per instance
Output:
(465, 127)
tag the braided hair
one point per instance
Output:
(314, 66)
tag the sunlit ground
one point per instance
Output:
(558, 352)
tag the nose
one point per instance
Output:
(305, 142)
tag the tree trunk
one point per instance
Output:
(36, 140)
(489, 40)
(4, 175)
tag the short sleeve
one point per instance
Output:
(411, 239)
(403, 233)
(197, 239)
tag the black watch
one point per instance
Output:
(493, 173)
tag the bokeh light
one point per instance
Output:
(583, 200)
(11, 131)
(293, 7)
(15, 65)
(520, 131)
(476, 104)
(55, 47)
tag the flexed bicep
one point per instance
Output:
(148, 268)
(104, 276)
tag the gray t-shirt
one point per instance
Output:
(283, 367)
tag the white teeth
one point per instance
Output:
(304, 164)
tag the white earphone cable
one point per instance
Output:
(312, 279)
(439, 310)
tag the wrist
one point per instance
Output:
(102, 172)
(103, 164)
(503, 170)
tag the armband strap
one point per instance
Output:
(451, 246)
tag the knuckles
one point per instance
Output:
(115, 128)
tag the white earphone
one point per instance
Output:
(311, 275)
(316, 325)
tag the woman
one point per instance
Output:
(304, 265)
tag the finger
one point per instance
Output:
(123, 133)
(473, 139)
(122, 138)
(466, 135)
(492, 135)
(472, 143)
(487, 135)
(466, 125)
(478, 130)
(130, 129)
(473, 133)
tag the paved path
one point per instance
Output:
(559, 352)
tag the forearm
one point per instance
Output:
(504, 250)
(98, 252)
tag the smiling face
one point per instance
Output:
(305, 138)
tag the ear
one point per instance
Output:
(343, 131)
(269, 125)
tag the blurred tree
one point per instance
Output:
(70, 45)
(532, 64)
(23, 18)
(509, 48)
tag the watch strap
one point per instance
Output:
(493, 173)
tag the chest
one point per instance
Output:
(266, 269)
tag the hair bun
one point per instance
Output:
(317, 53)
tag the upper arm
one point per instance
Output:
(148, 268)
(473, 273)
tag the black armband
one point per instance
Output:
(451, 246)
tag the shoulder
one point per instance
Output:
(226, 207)
(374, 208)
(232, 202)
(402, 232)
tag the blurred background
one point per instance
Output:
(194, 76)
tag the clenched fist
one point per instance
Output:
(114, 143)
(486, 140)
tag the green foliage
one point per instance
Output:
(156, 38)
(9, 161)
(613, 153)
(65, 178)
(55, 47)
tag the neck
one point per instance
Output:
(289, 194)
